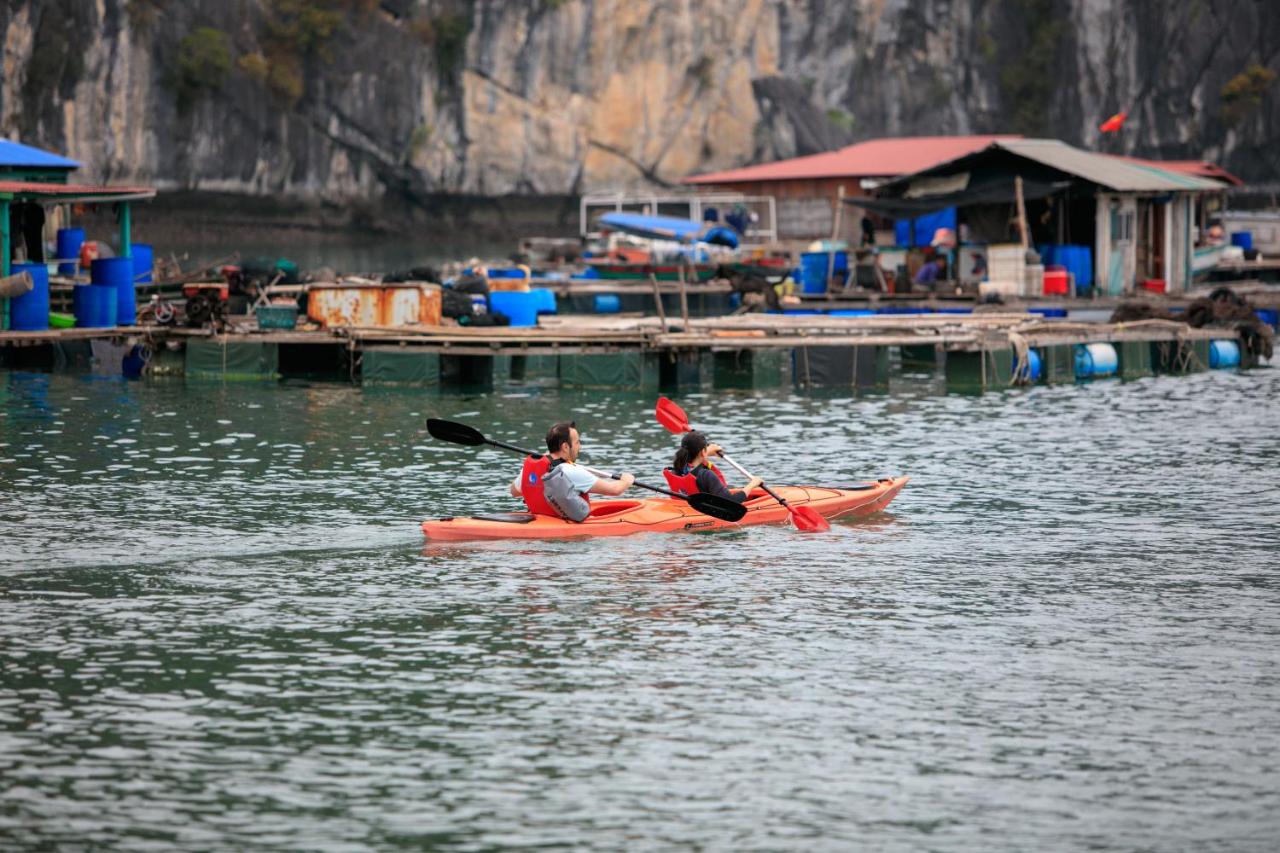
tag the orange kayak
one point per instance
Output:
(666, 515)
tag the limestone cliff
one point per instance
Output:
(342, 100)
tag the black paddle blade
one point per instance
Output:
(454, 432)
(717, 507)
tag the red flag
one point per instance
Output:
(1112, 124)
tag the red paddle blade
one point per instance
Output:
(806, 518)
(671, 416)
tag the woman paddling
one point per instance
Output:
(691, 472)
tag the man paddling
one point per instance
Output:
(555, 485)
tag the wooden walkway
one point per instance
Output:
(605, 334)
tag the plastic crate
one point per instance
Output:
(277, 316)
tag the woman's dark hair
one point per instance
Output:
(559, 435)
(691, 445)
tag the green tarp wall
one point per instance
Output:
(750, 368)
(631, 370)
(220, 359)
(400, 367)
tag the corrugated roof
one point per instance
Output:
(1199, 168)
(63, 193)
(1116, 173)
(24, 156)
(875, 158)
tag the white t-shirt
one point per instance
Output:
(580, 478)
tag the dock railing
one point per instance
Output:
(686, 206)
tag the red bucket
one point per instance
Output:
(1153, 285)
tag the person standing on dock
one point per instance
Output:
(554, 484)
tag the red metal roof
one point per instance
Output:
(73, 192)
(875, 158)
(1196, 168)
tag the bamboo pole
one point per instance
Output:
(835, 234)
(657, 298)
(1022, 212)
(684, 293)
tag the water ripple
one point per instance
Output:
(223, 630)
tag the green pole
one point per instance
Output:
(126, 231)
(4, 258)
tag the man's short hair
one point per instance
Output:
(559, 435)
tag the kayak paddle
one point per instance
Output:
(712, 505)
(676, 421)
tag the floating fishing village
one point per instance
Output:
(639, 425)
(1116, 267)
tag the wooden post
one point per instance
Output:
(835, 234)
(1022, 212)
(684, 295)
(657, 297)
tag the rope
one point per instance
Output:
(1021, 373)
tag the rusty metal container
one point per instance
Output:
(409, 304)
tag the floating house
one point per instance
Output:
(32, 180)
(1135, 221)
(807, 189)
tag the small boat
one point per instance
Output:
(666, 515)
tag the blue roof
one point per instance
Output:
(17, 154)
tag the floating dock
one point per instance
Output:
(984, 350)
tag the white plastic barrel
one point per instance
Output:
(1094, 360)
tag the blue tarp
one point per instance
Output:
(920, 231)
(653, 227)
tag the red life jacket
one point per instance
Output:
(687, 484)
(535, 468)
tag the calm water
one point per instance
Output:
(221, 628)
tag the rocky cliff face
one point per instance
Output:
(341, 100)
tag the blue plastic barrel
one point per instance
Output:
(69, 242)
(1033, 365)
(813, 270)
(30, 311)
(1270, 316)
(607, 303)
(1224, 354)
(544, 299)
(519, 305)
(94, 306)
(1243, 239)
(1078, 260)
(118, 273)
(1094, 360)
(143, 262)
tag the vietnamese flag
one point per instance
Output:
(1112, 124)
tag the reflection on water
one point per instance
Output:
(222, 628)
